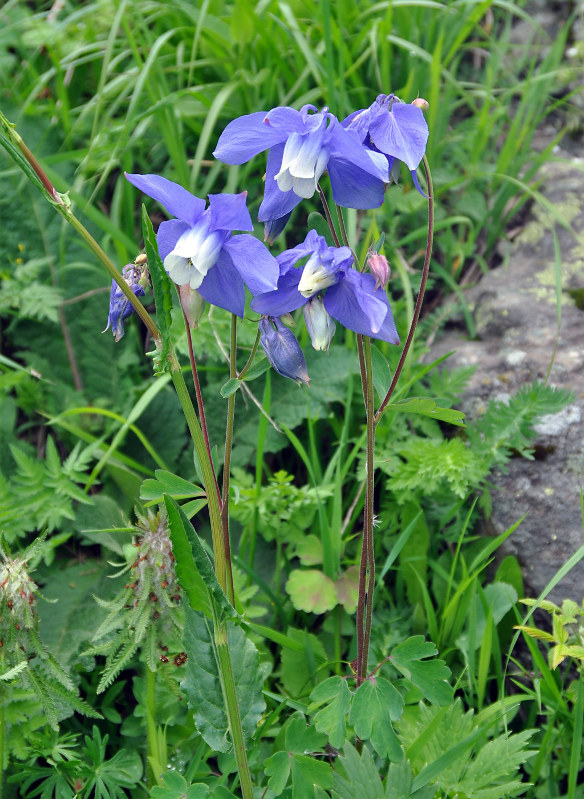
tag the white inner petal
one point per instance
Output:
(303, 187)
(191, 240)
(316, 277)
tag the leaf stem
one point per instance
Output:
(151, 736)
(418, 307)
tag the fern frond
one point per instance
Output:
(117, 663)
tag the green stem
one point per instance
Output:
(152, 754)
(241, 374)
(368, 522)
(418, 307)
(232, 706)
(2, 736)
(227, 458)
(207, 470)
(198, 394)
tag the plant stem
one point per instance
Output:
(230, 697)
(227, 458)
(418, 307)
(329, 218)
(152, 754)
(368, 521)
(198, 394)
(208, 473)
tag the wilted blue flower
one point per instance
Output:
(120, 307)
(396, 129)
(198, 248)
(350, 296)
(302, 144)
(282, 350)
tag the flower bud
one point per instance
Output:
(273, 228)
(379, 268)
(120, 307)
(419, 102)
(141, 260)
(320, 325)
(282, 350)
(17, 593)
(192, 304)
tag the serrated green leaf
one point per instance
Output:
(193, 567)
(360, 778)
(428, 407)
(301, 738)
(375, 705)
(431, 676)
(230, 387)
(306, 773)
(161, 286)
(311, 590)
(331, 718)
(202, 683)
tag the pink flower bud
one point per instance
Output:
(419, 102)
(379, 268)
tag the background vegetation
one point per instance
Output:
(98, 88)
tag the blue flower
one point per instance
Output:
(396, 129)
(282, 349)
(198, 248)
(302, 144)
(120, 307)
(350, 296)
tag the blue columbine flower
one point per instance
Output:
(282, 349)
(198, 248)
(120, 307)
(396, 129)
(350, 296)
(302, 144)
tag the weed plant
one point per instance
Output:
(120, 686)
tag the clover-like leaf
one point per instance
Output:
(375, 705)
(431, 676)
(334, 694)
(311, 590)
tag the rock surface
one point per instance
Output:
(515, 311)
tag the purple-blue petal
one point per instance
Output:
(401, 132)
(229, 212)
(346, 145)
(178, 201)
(222, 286)
(168, 234)
(253, 133)
(355, 304)
(417, 183)
(285, 299)
(354, 188)
(276, 203)
(255, 264)
(311, 243)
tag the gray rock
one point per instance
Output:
(515, 312)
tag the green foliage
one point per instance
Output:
(457, 755)
(40, 494)
(202, 683)
(296, 761)
(567, 630)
